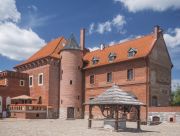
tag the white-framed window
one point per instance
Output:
(30, 81)
(130, 74)
(21, 83)
(112, 56)
(40, 79)
(109, 77)
(95, 60)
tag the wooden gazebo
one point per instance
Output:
(113, 102)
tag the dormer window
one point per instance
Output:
(132, 52)
(95, 60)
(112, 57)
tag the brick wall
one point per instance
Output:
(13, 88)
(137, 86)
(71, 83)
(160, 73)
(36, 90)
(49, 91)
(165, 114)
(164, 109)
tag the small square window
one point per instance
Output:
(92, 79)
(22, 83)
(40, 79)
(78, 97)
(109, 77)
(130, 74)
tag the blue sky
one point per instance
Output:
(26, 25)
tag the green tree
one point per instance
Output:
(175, 96)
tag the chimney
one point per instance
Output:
(157, 30)
(82, 39)
(102, 46)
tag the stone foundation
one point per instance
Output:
(164, 116)
(63, 113)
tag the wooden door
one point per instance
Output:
(70, 113)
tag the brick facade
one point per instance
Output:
(66, 75)
(71, 83)
(12, 87)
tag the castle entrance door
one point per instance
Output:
(70, 112)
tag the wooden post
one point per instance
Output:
(90, 117)
(139, 118)
(116, 118)
(47, 112)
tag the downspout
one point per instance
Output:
(147, 86)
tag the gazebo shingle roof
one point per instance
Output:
(115, 95)
(22, 97)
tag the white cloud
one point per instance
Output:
(33, 8)
(117, 22)
(35, 20)
(91, 28)
(124, 40)
(104, 27)
(8, 11)
(17, 43)
(175, 84)
(112, 43)
(155, 5)
(173, 38)
(94, 48)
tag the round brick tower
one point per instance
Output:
(71, 80)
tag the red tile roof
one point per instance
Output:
(143, 45)
(51, 49)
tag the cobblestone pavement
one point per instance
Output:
(49, 127)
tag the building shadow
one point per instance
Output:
(131, 130)
(135, 130)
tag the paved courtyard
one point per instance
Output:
(20, 127)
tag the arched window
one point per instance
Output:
(156, 119)
(154, 101)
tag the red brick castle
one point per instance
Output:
(60, 77)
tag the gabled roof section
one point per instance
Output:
(115, 95)
(132, 50)
(50, 50)
(143, 45)
(72, 43)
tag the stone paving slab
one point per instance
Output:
(50, 127)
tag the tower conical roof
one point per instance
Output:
(72, 43)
